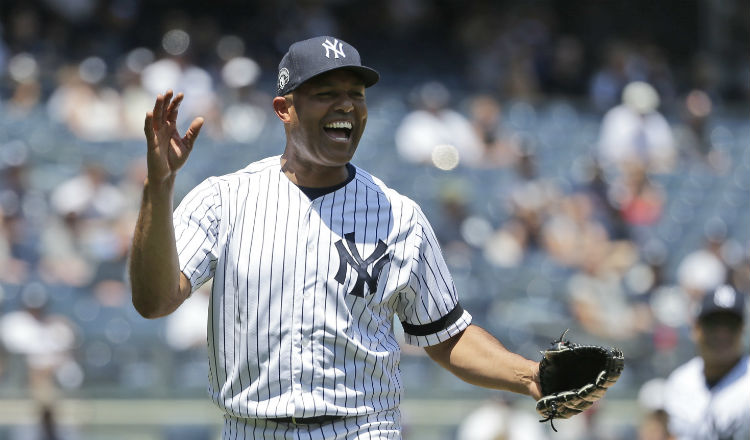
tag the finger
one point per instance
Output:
(165, 106)
(158, 111)
(173, 108)
(192, 132)
(148, 130)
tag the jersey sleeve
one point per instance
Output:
(196, 223)
(428, 307)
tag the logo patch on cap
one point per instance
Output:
(724, 297)
(283, 78)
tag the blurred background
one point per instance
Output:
(585, 164)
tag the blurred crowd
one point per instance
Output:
(573, 180)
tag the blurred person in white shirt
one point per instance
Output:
(635, 132)
(434, 123)
(46, 341)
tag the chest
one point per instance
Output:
(345, 243)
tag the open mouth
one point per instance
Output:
(339, 131)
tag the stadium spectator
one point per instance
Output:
(532, 197)
(571, 234)
(433, 123)
(635, 132)
(693, 133)
(47, 427)
(496, 419)
(89, 108)
(598, 300)
(500, 144)
(15, 270)
(46, 341)
(508, 245)
(704, 269)
(639, 200)
(88, 195)
(86, 230)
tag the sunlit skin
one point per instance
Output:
(719, 340)
(316, 156)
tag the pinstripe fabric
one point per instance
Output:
(384, 425)
(288, 336)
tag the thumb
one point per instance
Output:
(192, 132)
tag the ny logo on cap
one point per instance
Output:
(336, 47)
(352, 258)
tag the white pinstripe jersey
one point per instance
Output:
(304, 294)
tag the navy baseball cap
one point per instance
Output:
(724, 299)
(308, 58)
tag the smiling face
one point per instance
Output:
(325, 120)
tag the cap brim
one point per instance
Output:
(370, 76)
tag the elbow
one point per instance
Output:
(153, 301)
(147, 309)
(148, 313)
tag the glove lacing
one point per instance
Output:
(550, 418)
(554, 410)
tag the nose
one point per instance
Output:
(344, 104)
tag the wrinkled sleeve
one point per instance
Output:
(429, 309)
(196, 222)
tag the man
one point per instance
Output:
(708, 398)
(636, 134)
(311, 258)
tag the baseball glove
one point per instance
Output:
(573, 377)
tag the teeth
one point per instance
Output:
(339, 124)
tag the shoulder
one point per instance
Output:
(395, 199)
(741, 372)
(220, 185)
(254, 169)
(689, 372)
(251, 172)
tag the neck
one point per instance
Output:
(715, 371)
(304, 173)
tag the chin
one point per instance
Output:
(339, 155)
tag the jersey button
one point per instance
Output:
(305, 342)
(311, 246)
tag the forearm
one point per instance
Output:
(478, 358)
(154, 266)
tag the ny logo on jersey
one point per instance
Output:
(336, 47)
(352, 258)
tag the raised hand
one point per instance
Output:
(167, 151)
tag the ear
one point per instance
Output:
(695, 332)
(282, 106)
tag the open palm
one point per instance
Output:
(167, 151)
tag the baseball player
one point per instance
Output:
(311, 258)
(708, 398)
